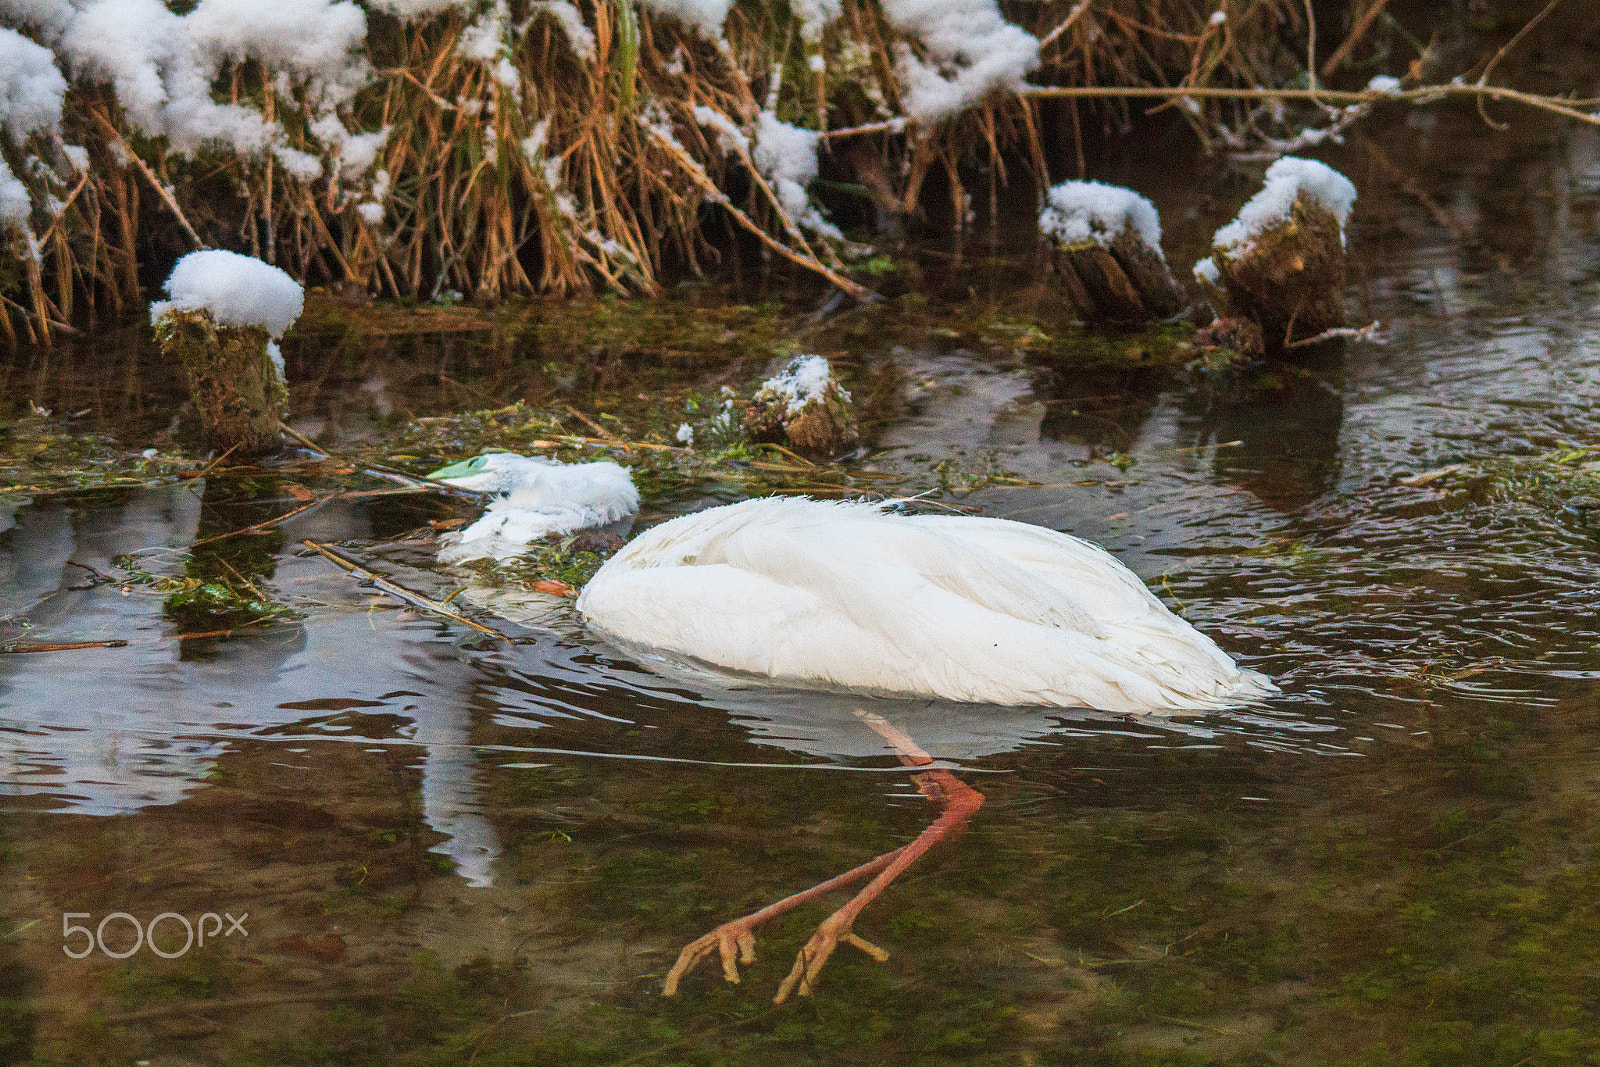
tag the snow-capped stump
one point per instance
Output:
(226, 313)
(804, 406)
(1108, 251)
(1281, 262)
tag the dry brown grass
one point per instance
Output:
(618, 194)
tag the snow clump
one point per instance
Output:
(805, 379)
(1287, 180)
(704, 15)
(972, 49)
(1077, 212)
(237, 290)
(31, 88)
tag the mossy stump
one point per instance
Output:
(1290, 281)
(823, 425)
(1124, 284)
(235, 387)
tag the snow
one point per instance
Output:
(972, 49)
(1206, 271)
(31, 86)
(1383, 83)
(785, 155)
(49, 17)
(729, 137)
(237, 291)
(1286, 180)
(319, 41)
(686, 435)
(1077, 212)
(371, 212)
(358, 151)
(414, 9)
(155, 66)
(14, 203)
(704, 15)
(302, 165)
(814, 16)
(1218, 18)
(579, 36)
(805, 379)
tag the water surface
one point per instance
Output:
(455, 849)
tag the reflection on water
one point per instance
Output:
(523, 833)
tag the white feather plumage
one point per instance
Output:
(969, 609)
(540, 496)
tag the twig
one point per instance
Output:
(209, 467)
(1369, 332)
(411, 481)
(1423, 94)
(400, 591)
(261, 527)
(1483, 79)
(1358, 31)
(299, 438)
(67, 646)
(587, 421)
(1072, 16)
(150, 176)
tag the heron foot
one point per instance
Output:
(834, 931)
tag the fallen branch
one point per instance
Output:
(400, 591)
(1369, 332)
(19, 649)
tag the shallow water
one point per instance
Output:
(452, 848)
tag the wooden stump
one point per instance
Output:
(1124, 283)
(1290, 280)
(235, 387)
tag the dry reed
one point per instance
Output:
(588, 171)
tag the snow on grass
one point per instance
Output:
(31, 86)
(787, 157)
(14, 203)
(579, 35)
(1286, 181)
(237, 290)
(704, 15)
(971, 50)
(815, 15)
(1206, 271)
(1076, 212)
(317, 41)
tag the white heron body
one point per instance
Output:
(962, 608)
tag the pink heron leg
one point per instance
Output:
(959, 802)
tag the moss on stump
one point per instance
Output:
(823, 425)
(1290, 281)
(238, 392)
